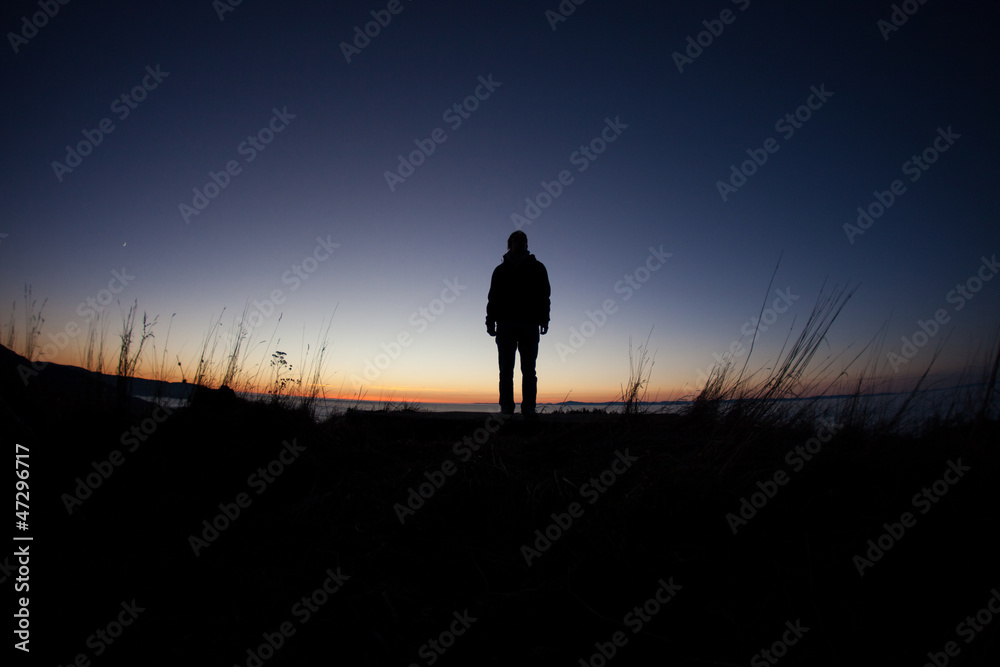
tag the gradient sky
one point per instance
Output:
(343, 125)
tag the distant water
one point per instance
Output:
(924, 405)
(325, 407)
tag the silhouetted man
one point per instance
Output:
(517, 311)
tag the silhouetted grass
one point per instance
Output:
(95, 343)
(33, 321)
(640, 366)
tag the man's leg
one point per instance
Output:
(506, 347)
(528, 349)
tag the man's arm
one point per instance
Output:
(544, 302)
(491, 320)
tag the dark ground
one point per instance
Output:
(333, 509)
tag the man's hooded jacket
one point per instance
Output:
(519, 291)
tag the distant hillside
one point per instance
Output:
(16, 370)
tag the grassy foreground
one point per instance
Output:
(657, 499)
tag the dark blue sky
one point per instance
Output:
(311, 218)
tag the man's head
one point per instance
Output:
(518, 242)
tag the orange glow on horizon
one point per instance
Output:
(485, 393)
(482, 393)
